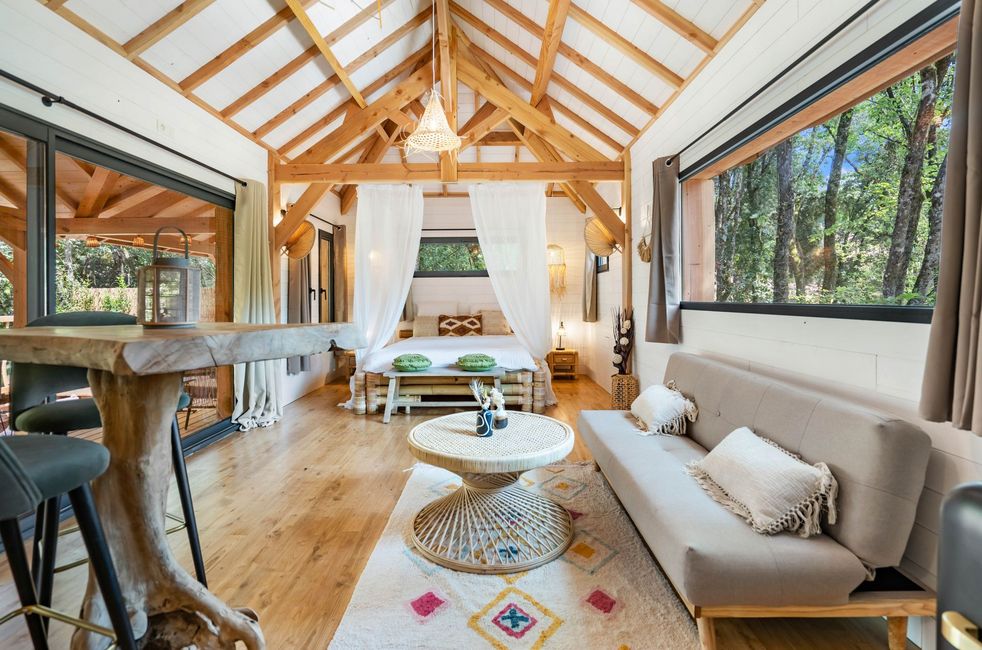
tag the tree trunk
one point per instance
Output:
(785, 222)
(927, 277)
(910, 198)
(829, 257)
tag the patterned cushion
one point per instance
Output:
(462, 325)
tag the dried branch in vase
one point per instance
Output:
(623, 339)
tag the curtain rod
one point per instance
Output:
(49, 99)
(445, 229)
(310, 214)
(828, 37)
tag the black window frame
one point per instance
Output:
(449, 274)
(916, 27)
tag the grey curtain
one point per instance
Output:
(951, 390)
(298, 306)
(340, 274)
(589, 286)
(664, 285)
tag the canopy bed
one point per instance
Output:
(510, 224)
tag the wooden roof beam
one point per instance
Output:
(557, 171)
(164, 26)
(519, 52)
(641, 57)
(448, 82)
(232, 53)
(311, 52)
(301, 13)
(575, 57)
(97, 192)
(133, 225)
(552, 37)
(373, 154)
(679, 24)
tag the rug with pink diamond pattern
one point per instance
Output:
(605, 592)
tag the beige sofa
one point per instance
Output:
(717, 564)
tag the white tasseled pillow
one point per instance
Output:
(771, 488)
(663, 410)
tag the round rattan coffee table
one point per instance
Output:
(489, 524)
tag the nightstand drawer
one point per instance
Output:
(563, 357)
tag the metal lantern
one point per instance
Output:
(169, 289)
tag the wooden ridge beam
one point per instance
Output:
(551, 38)
(164, 26)
(311, 53)
(419, 58)
(679, 24)
(641, 57)
(308, 25)
(496, 92)
(575, 57)
(133, 225)
(232, 53)
(368, 118)
(557, 171)
(519, 52)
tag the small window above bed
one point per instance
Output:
(450, 257)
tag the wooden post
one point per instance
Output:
(224, 267)
(699, 244)
(19, 287)
(273, 198)
(627, 280)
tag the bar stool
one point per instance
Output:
(34, 468)
(31, 386)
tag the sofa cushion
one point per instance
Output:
(710, 555)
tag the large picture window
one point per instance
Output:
(448, 257)
(847, 211)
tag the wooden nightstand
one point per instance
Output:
(564, 363)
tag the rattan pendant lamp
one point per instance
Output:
(433, 133)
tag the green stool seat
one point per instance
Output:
(69, 415)
(58, 464)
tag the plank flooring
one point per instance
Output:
(290, 514)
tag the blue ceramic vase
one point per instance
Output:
(485, 423)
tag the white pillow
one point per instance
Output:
(771, 488)
(436, 308)
(663, 410)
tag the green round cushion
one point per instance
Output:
(476, 362)
(411, 362)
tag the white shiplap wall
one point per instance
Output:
(875, 363)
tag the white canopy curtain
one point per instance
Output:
(389, 223)
(510, 219)
(257, 384)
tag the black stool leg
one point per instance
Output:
(36, 544)
(49, 552)
(13, 544)
(184, 489)
(102, 565)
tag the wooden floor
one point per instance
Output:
(289, 516)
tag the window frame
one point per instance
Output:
(449, 274)
(878, 59)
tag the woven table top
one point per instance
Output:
(529, 441)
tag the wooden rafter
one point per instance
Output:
(151, 206)
(552, 37)
(301, 14)
(641, 57)
(96, 192)
(419, 58)
(308, 55)
(232, 53)
(134, 225)
(164, 26)
(346, 173)
(323, 87)
(136, 195)
(678, 23)
(574, 89)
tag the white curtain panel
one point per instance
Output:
(257, 385)
(389, 225)
(510, 219)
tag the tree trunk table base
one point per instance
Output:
(490, 525)
(168, 607)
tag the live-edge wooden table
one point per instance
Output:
(135, 374)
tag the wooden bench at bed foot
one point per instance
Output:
(524, 390)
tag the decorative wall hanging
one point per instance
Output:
(556, 261)
(598, 239)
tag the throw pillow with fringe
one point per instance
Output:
(663, 410)
(771, 488)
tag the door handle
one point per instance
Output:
(960, 632)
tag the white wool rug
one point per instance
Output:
(605, 592)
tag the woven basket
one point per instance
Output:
(624, 389)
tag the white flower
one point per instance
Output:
(627, 324)
(623, 340)
(624, 330)
(618, 358)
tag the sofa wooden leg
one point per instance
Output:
(897, 632)
(707, 633)
(596, 466)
